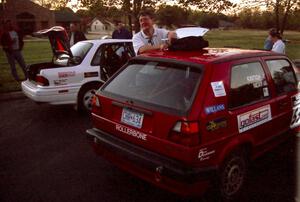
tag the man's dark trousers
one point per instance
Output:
(12, 56)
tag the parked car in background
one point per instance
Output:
(75, 73)
(189, 120)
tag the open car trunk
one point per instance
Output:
(34, 69)
(59, 45)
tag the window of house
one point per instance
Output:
(283, 75)
(248, 84)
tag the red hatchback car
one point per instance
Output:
(185, 121)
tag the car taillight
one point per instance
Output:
(42, 81)
(185, 133)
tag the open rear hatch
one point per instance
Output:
(148, 103)
(59, 42)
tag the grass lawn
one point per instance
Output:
(40, 51)
(252, 39)
(34, 52)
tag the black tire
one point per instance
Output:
(232, 176)
(84, 100)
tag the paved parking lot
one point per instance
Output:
(44, 156)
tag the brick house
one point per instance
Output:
(27, 15)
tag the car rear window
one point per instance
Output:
(80, 49)
(162, 84)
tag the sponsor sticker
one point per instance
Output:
(216, 124)
(266, 92)
(90, 74)
(66, 74)
(214, 108)
(254, 118)
(296, 99)
(218, 88)
(296, 111)
(254, 78)
(205, 154)
(131, 132)
(60, 82)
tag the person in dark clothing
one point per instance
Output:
(75, 35)
(12, 43)
(121, 32)
(268, 45)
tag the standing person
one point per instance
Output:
(268, 42)
(121, 32)
(75, 35)
(12, 42)
(278, 46)
(150, 38)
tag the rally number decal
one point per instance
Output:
(296, 111)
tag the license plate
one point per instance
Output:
(132, 118)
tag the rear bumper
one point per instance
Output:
(55, 95)
(162, 171)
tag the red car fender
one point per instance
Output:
(245, 140)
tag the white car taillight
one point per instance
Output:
(185, 133)
(42, 81)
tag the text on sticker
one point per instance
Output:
(204, 154)
(254, 118)
(218, 88)
(131, 132)
(66, 74)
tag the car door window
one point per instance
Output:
(283, 75)
(248, 84)
(111, 57)
(96, 58)
(124, 51)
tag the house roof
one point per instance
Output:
(104, 21)
(63, 16)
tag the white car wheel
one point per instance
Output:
(87, 99)
(85, 96)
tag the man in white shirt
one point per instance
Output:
(150, 38)
(278, 46)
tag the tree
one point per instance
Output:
(53, 4)
(281, 9)
(134, 7)
(83, 13)
(95, 7)
(208, 5)
(131, 8)
(172, 15)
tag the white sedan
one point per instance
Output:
(77, 72)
